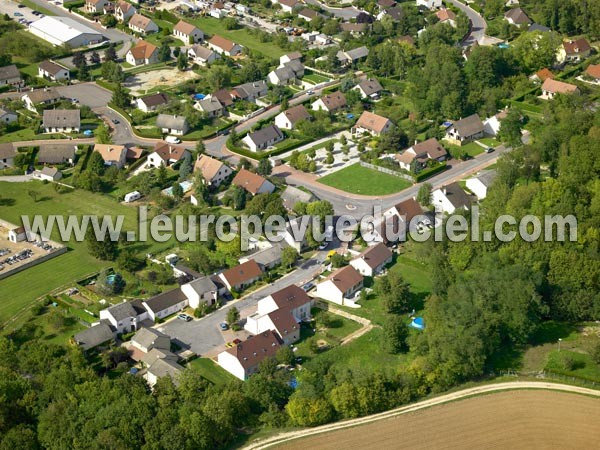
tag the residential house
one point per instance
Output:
(291, 298)
(465, 130)
(287, 5)
(147, 339)
(417, 156)
(446, 16)
(450, 198)
(287, 73)
(213, 171)
(162, 368)
(142, 53)
(224, 46)
(289, 119)
(250, 91)
(48, 174)
(369, 88)
(241, 276)
(201, 55)
(61, 121)
(267, 258)
(95, 6)
(187, 33)
(126, 316)
(369, 122)
(210, 106)
(263, 138)
(7, 155)
(243, 360)
(307, 14)
(166, 154)
(341, 287)
(169, 124)
(7, 116)
(551, 88)
(41, 97)
(330, 102)
(292, 195)
(295, 235)
(405, 212)
(95, 336)
(279, 321)
(537, 28)
(373, 260)
(142, 24)
(252, 182)
(480, 183)
(10, 76)
(574, 50)
(349, 57)
(124, 10)
(517, 17)
(385, 4)
(56, 154)
(152, 102)
(109, 9)
(541, 75)
(593, 71)
(492, 124)
(200, 290)
(166, 304)
(113, 155)
(288, 57)
(353, 28)
(53, 71)
(395, 12)
(430, 4)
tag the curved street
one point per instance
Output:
(454, 396)
(478, 24)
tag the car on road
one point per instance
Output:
(489, 150)
(172, 140)
(21, 5)
(223, 133)
(223, 326)
(184, 317)
(308, 286)
(310, 92)
(324, 245)
(116, 121)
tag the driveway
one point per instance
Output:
(478, 23)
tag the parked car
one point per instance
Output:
(21, 5)
(172, 139)
(18, 14)
(237, 341)
(229, 344)
(308, 286)
(489, 150)
(116, 121)
(324, 245)
(223, 326)
(184, 317)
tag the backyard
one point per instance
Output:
(357, 179)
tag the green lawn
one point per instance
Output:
(211, 371)
(242, 36)
(357, 179)
(490, 142)
(37, 7)
(27, 134)
(32, 283)
(473, 149)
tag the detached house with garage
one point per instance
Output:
(166, 304)
(224, 46)
(574, 50)
(417, 156)
(330, 102)
(201, 55)
(41, 98)
(342, 286)
(289, 119)
(113, 155)
(187, 33)
(126, 316)
(142, 53)
(168, 124)
(124, 11)
(213, 171)
(450, 198)
(152, 102)
(199, 291)
(53, 71)
(551, 88)
(465, 130)
(252, 182)
(373, 260)
(241, 276)
(374, 124)
(369, 88)
(142, 24)
(263, 138)
(243, 360)
(61, 121)
(166, 154)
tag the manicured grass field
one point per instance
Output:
(362, 180)
(20, 290)
(490, 142)
(242, 36)
(37, 7)
(211, 371)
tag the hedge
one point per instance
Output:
(430, 172)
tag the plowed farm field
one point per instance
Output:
(507, 420)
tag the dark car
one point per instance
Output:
(116, 121)
(223, 326)
(489, 150)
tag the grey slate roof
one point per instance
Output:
(486, 177)
(165, 300)
(8, 72)
(7, 151)
(127, 309)
(51, 67)
(267, 134)
(370, 86)
(203, 285)
(253, 89)
(94, 336)
(456, 195)
(147, 336)
(58, 118)
(209, 105)
(163, 368)
(56, 153)
(267, 256)
(173, 122)
(292, 195)
(469, 125)
(538, 27)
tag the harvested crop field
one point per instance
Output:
(506, 420)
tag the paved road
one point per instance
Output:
(346, 13)
(204, 336)
(480, 390)
(479, 25)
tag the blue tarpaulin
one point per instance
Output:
(199, 96)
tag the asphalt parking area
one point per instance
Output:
(87, 94)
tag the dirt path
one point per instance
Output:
(366, 323)
(479, 390)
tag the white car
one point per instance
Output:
(173, 140)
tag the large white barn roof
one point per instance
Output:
(58, 30)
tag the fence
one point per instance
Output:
(549, 375)
(388, 171)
